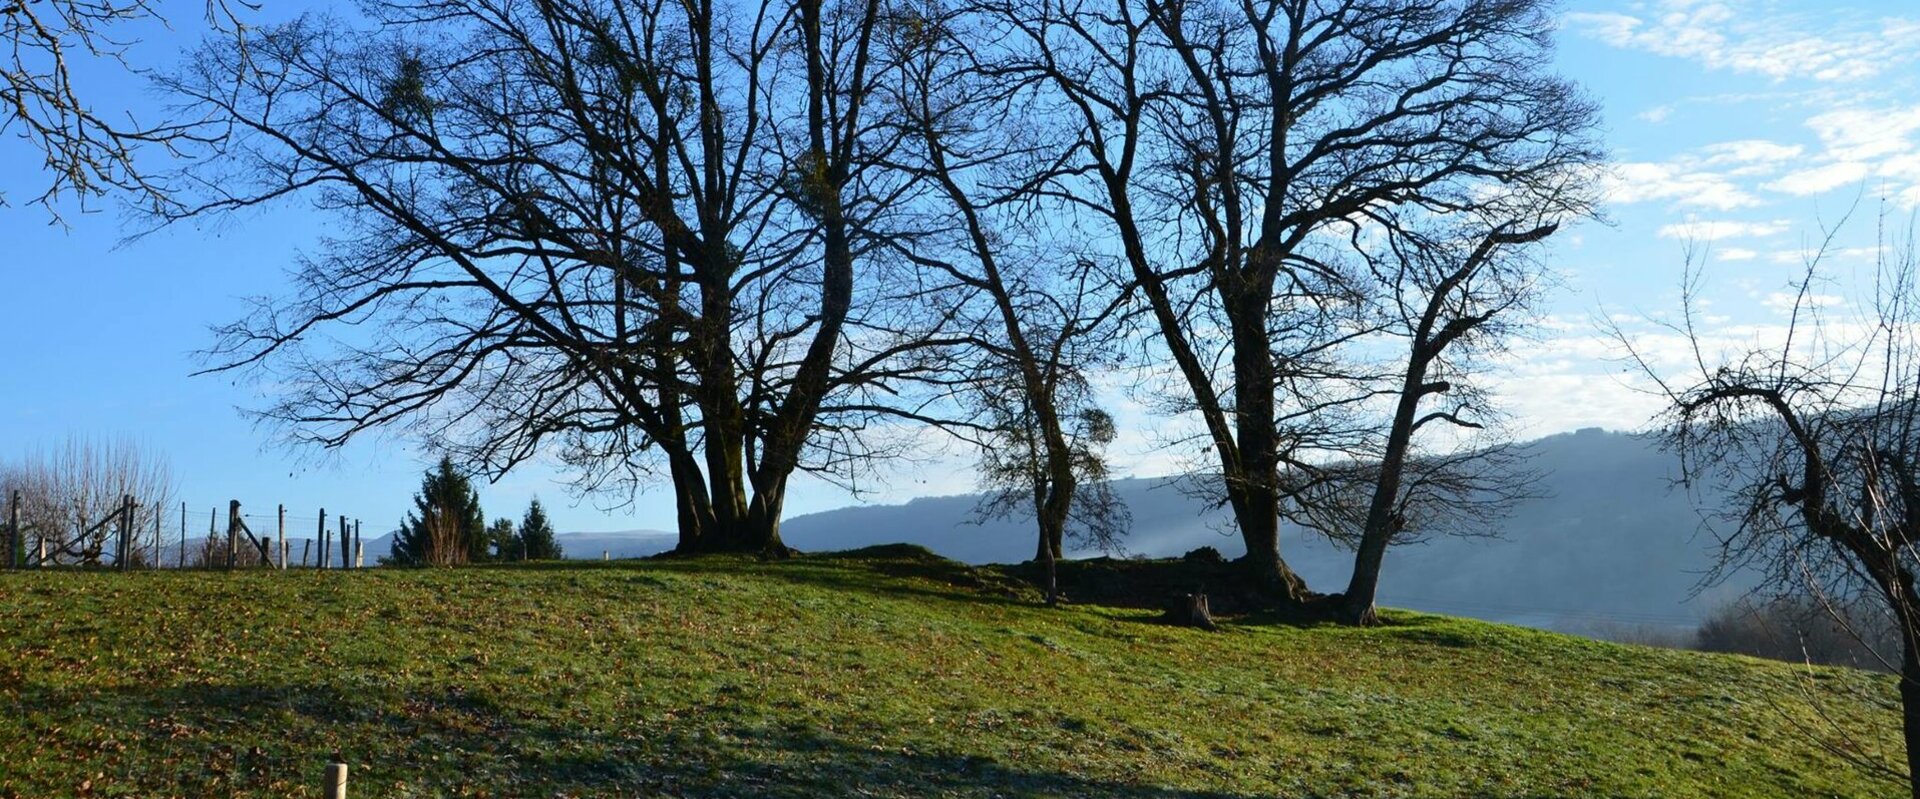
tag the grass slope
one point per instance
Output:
(897, 676)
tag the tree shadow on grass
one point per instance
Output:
(254, 740)
(263, 740)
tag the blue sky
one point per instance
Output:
(1747, 124)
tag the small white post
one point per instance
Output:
(605, 555)
(335, 786)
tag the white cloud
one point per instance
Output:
(1751, 37)
(1860, 144)
(1750, 151)
(1714, 230)
(1821, 179)
(1657, 114)
(1715, 176)
(1785, 302)
(1737, 254)
(1680, 182)
(1867, 134)
(1800, 257)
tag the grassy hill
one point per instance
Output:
(824, 676)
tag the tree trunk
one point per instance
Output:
(1054, 509)
(1356, 607)
(1266, 571)
(1910, 697)
(1253, 479)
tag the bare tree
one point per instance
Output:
(1044, 313)
(86, 151)
(1453, 291)
(1232, 153)
(622, 235)
(70, 498)
(1814, 433)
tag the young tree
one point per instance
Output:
(1813, 432)
(536, 535)
(1232, 152)
(503, 543)
(1452, 290)
(446, 527)
(1044, 313)
(624, 232)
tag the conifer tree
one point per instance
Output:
(503, 540)
(536, 534)
(446, 527)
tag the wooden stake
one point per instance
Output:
(359, 555)
(15, 547)
(346, 551)
(157, 545)
(322, 535)
(335, 786)
(283, 538)
(213, 536)
(233, 534)
(182, 563)
(306, 548)
(125, 548)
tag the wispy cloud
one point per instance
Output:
(1684, 183)
(1752, 38)
(1717, 176)
(1715, 230)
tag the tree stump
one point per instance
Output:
(1189, 610)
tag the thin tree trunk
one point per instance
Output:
(1356, 607)
(1910, 704)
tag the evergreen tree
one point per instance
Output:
(536, 534)
(446, 527)
(503, 540)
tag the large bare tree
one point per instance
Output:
(1812, 430)
(1233, 153)
(638, 237)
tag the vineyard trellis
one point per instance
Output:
(219, 549)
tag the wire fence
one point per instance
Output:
(233, 539)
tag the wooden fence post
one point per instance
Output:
(233, 534)
(125, 547)
(15, 547)
(283, 538)
(306, 548)
(213, 539)
(359, 555)
(157, 543)
(182, 563)
(346, 548)
(335, 786)
(322, 535)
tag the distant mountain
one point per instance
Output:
(1612, 545)
(622, 544)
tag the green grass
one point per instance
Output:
(850, 677)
